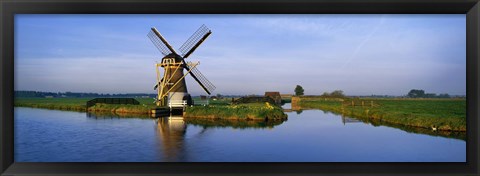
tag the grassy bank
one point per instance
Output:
(250, 111)
(216, 110)
(79, 104)
(442, 114)
(121, 108)
(68, 104)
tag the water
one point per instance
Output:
(313, 135)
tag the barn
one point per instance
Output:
(275, 96)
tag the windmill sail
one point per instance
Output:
(160, 42)
(173, 87)
(195, 40)
(164, 50)
(201, 79)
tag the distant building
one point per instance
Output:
(275, 96)
(49, 96)
(203, 97)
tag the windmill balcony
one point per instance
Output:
(177, 104)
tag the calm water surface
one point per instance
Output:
(313, 135)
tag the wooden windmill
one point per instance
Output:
(171, 87)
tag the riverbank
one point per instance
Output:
(437, 114)
(217, 110)
(79, 104)
(250, 111)
(66, 104)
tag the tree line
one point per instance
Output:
(418, 93)
(414, 93)
(335, 94)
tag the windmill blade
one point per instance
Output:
(200, 78)
(160, 42)
(164, 50)
(156, 85)
(195, 40)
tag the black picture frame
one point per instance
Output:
(8, 8)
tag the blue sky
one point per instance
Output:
(246, 54)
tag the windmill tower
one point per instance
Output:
(171, 87)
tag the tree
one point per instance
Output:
(325, 94)
(430, 95)
(337, 94)
(444, 96)
(414, 93)
(299, 90)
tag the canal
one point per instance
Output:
(307, 136)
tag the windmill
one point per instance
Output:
(171, 87)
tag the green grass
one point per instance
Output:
(445, 114)
(250, 111)
(70, 104)
(215, 109)
(121, 108)
(79, 104)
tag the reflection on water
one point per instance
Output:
(307, 136)
(346, 120)
(376, 122)
(236, 124)
(171, 131)
(111, 115)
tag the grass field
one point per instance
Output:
(69, 104)
(251, 111)
(442, 114)
(79, 104)
(216, 109)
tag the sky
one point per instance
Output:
(246, 54)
